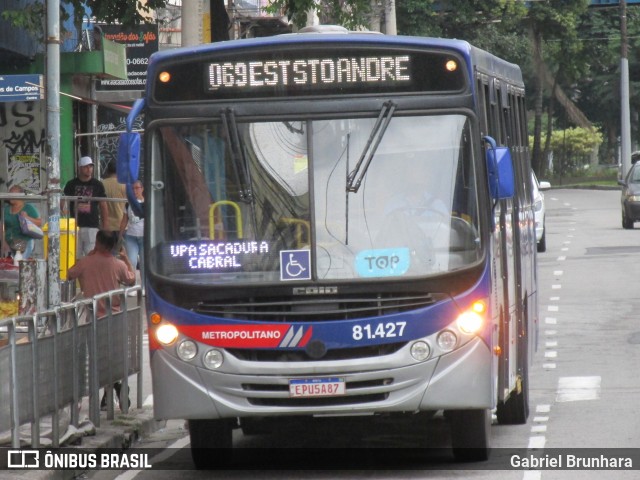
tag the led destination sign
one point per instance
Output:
(310, 72)
(306, 71)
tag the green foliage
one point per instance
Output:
(352, 14)
(571, 147)
(127, 12)
(32, 18)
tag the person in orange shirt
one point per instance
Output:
(100, 272)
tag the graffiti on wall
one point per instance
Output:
(23, 137)
(24, 170)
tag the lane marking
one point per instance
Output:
(572, 389)
(561, 258)
(556, 287)
(550, 354)
(543, 408)
(550, 321)
(558, 273)
(553, 308)
(168, 452)
(536, 442)
(551, 344)
(548, 366)
(532, 475)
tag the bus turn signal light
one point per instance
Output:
(164, 77)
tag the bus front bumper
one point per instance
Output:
(457, 380)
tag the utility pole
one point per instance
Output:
(52, 91)
(390, 17)
(191, 23)
(625, 116)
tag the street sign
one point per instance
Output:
(20, 88)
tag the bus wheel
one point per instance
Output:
(211, 434)
(470, 434)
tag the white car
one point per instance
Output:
(539, 212)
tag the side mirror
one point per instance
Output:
(544, 185)
(128, 163)
(500, 170)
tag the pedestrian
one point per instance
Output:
(13, 240)
(91, 214)
(100, 272)
(114, 190)
(132, 231)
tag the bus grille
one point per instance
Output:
(356, 394)
(280, 355)
(334, 307)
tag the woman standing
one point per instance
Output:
(12, 235)
(132, 230)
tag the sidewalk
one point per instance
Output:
(120, 433)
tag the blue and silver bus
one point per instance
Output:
(336, 224)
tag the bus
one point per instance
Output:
(337, 224)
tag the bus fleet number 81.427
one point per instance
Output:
(380, 330)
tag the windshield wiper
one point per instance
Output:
(240, 165)
(377, 132)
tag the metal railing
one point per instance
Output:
(55, 358)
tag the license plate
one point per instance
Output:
(316, 387)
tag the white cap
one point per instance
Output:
(84, 161)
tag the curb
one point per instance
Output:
(120, 433)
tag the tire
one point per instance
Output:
(470, 434)
(627, 223)
(208, 435)
(542, 244)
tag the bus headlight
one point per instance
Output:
(213, 359)
(420, 351)
(167, 334)
(447, 340)
(472, 321)
(187, 350)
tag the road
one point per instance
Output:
(585, 387)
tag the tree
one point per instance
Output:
(352, 14)
(126, 12)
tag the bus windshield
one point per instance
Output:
(246, 202)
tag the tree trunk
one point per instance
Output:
(536, 154)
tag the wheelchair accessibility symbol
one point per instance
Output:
(295, 265)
